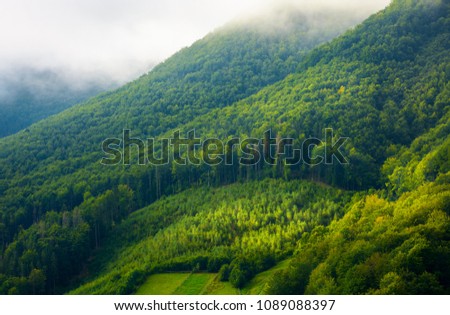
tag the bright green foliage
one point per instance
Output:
(381, 246)
(251, 225)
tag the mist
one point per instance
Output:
(115, 41)
(321, 14)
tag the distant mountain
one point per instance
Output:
(383, 84)
(28, 95)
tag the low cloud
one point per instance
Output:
(119, 39)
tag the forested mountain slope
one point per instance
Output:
(250, 225)
(382, 85)
(393, 103)
(53, 167)
(387, 244)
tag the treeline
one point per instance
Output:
(388, 242)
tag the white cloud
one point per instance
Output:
(119, 38)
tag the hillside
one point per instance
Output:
(386, 245)
(386, 90)
(379, 94)
(53, 167)
(257, 222)
(70, 223)
(392, 241)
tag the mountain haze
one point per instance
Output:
(28, 95)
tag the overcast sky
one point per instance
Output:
(119, 38)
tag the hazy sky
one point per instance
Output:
(119, 38)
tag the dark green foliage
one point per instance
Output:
(242, 269)
(55, 248)
(224, 273)
(241, 272)
(215, 263)
(48, 253)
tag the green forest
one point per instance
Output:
(377, 225)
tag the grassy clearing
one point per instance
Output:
(176, 283)
(204, 283)
(163, 284)
(195, 284)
